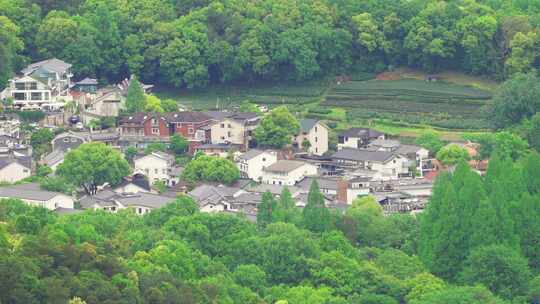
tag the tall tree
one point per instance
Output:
(135, 100)
(316, 217)
(92, 165)
(266, 209)
(277, 128)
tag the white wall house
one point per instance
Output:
(287, 172)
(13, 170)
(40, 84)
(234, 129)
(156, 166)
(316, 133)
(416, 156)
(252, 163)
(357, 138)
(33, 195)
(387, 165)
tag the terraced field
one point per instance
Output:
(411, 100)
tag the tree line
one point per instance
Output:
(194, 43)
(477, 243)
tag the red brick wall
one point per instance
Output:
(183, 128)
(342, 191)
(161, 124)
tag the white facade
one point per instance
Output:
(155, 168)
(289, 177)
(317, 137)
(14, 172)
(353, 142)
(130, 188)
(58, 201)
(228, 131)
(27, 91)
(391, 168)
(253, 168)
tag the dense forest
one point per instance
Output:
(196, 42)
(478, 242)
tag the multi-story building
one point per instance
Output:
(41, 84)
(235, 129)
(287, 172)
(315, 133)
(357, 137)
(156, 166)
(252, 163)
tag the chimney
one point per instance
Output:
(342, 186)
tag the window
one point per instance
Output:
(66, 139)
(264, 158)
(156, 171)
(35, 96)
(33, 85)
(19, 96)
(222, 125)
(19, 85)
(229, 126)
(190, 131)
(146, 171)
(229, 134)
(316, 150)
(46, 96)
(155, 130)
(164, 171)
(316, 139)
(154, 121)
(25, 170)
(222, 137)
(315, 128)
(140, 211)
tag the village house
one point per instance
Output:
(142, 128)
(252, 163)
(314, 132)
(156, 166)
(339, 189)
(220, 150)
(234, 128)
(141, 203)
(33, 195)
(14, 168)
(214, 198)
(388, 165)
(357, 138)
(135, 184)
(104, 103)
(87, 85)
(287, 172)
(417, 156)
(42, 83)
(10, 125)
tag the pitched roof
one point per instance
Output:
(187, 117)
(204, 192)
(385, 143)
(363, 155)
(307, 124)
(324, 183)
(274, 189)
(407, 149)
(251, 154)
(30, 191)
(88, 81)
(140, 182)
(360, 132)
(141, 117)
(284, 166)
(53, 64)
(144, 199)
(25, 161)
(54, 157)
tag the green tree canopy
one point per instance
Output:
(211, 169)
(277, 128)
(92, 165)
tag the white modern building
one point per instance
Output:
(33, 195)
(316, 133)
(287, 172)
(252, 163)
(156, 166)
(43, 84)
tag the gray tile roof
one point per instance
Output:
(187, 117)
(324, 183)
(6, 160)
(251, 154)
(284, 166)
(53, 64)
(144, 199)
(408, 149)
(54, 157)
(88, 81)
(274, 189)
(29, 191)
(385, 143)
(306, 124)
(361, 132)
(363, 155)
(204, 192)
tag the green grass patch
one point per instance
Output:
(227, 96)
